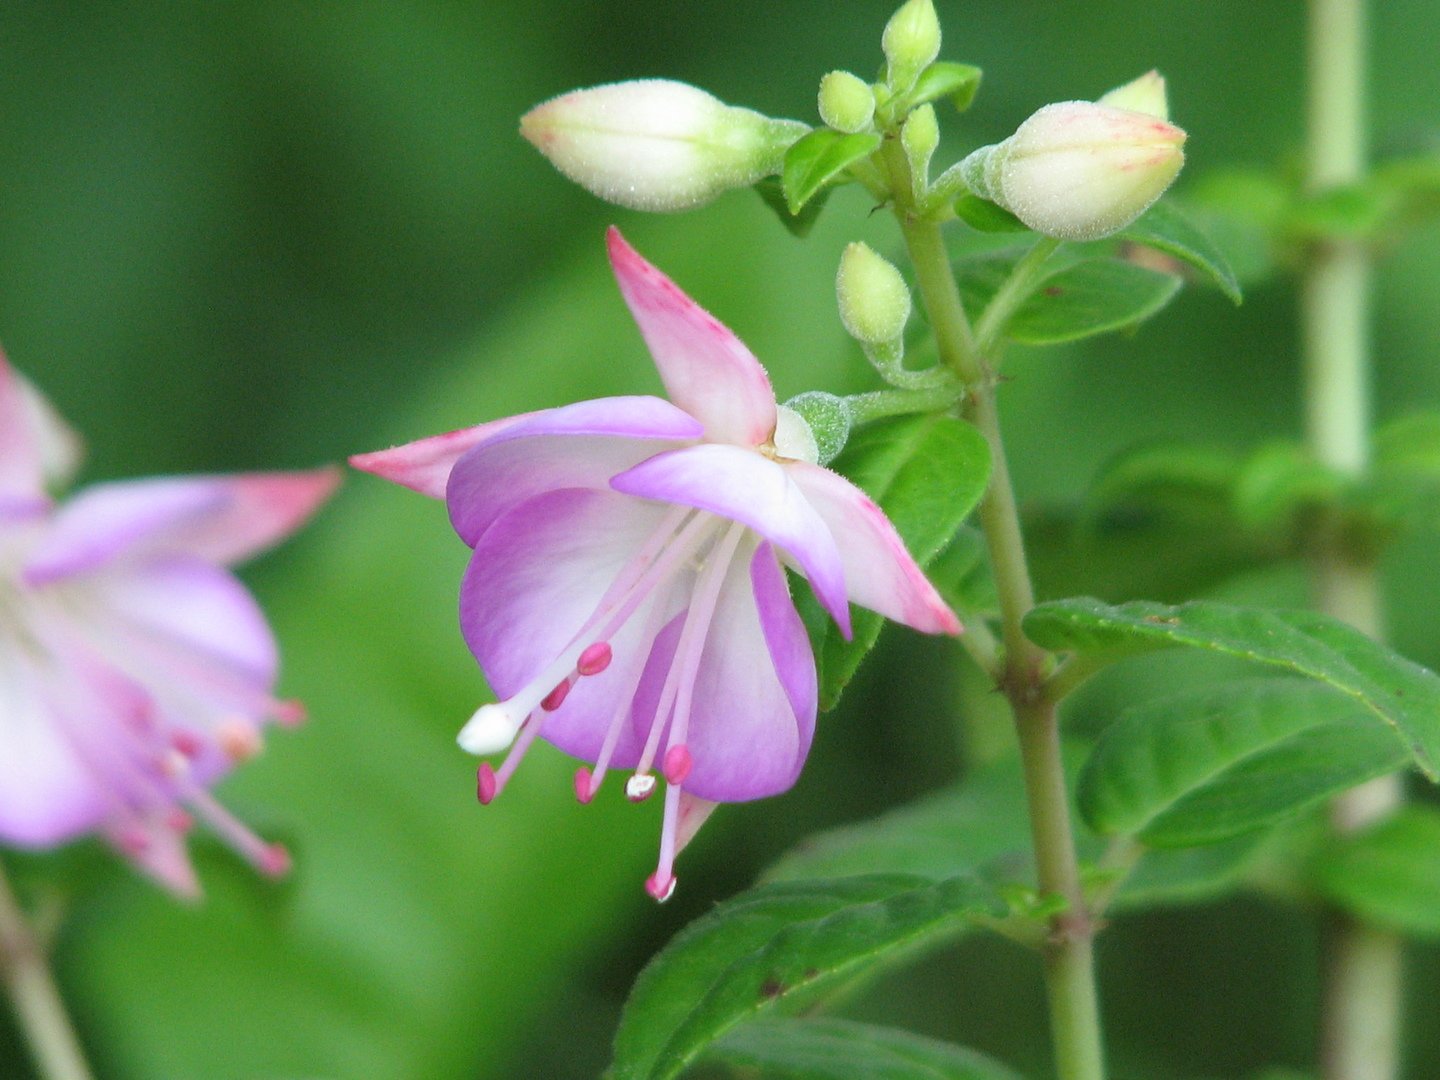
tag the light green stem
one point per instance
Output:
(1361, 1024)
(1068, 950)
(36, 998)
(1014, 292)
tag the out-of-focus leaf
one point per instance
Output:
(1389, 875)
(986, 216)
(1166, 229)
(1403, 694)
(927, 473)
(772, 194)
(1404, 483)
(780, 947)
(831, 1049)
(818, 158)
(1167, 476)
(1280, 479)
(1091, 297)
(1204, 767)
(962, 575)
(1244, 213)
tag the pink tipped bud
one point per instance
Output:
(486, 786)
(661, 889)
(584, 792)
(556, 697)
(595, 659)
(658, 145)
(1079, 170)
(677, 764)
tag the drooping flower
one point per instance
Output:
(135, 670)
(627, 597)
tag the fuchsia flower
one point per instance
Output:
(134, 669)
(627, 597)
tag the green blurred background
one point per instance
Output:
(269, 235)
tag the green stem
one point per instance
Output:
(878, 404)
(1362, 1000)
(1068, 951)
(35, 996)
(1014, 292)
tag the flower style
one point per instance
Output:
(134, 669)
(627, 597)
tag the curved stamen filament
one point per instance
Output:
(661, 884)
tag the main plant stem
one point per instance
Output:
(1069, 950)
(1362, 998)
(36, 998)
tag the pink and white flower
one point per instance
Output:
(627, 597)
(135, 670)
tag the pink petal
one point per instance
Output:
(750, 488)
(745, 736)
(536, 576)
(706, 369)
(216, 518)
(576, 446)
(36, 447)
(424, 465)
(879, 572)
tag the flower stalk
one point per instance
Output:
(1362, 999)
(34, 995)
(1020, 669)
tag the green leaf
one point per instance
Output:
(1389, 874)
(1278, 481)
(831, 1049)
(1166, 229)
(772, 194)
(1174, 476)
(986, 216)
(818, 158)
(958, 82)
(1404, 484)
(961, 574)
(1403, 694)
(779, 947)
(1092, 297)
(1206, 766)
(927, 473)
(1244, 212)
(1170, 877)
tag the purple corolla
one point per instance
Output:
(135, 670)
(627, 597)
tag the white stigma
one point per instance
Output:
(490, 730)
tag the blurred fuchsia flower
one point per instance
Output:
(627, 598)
(134, 669)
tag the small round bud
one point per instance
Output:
(1143, 95)
(920, 135)
(874, 299)
(654, 144)
(911, 42)
(846, 102)
(828, 418)
(1079, 170)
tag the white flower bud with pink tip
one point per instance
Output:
(657, 145)
(1080, 170)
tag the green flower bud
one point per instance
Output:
(874, 299)
(1143, 95)
(827, 417)
(911, 42)
(653, 144)
(846, 102)
(920, 136)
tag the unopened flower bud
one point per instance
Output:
(911, 42)
(1079, 170)
(1143, 95)
(654, 144)
(846, 102)
(874, 300)
(920, 136)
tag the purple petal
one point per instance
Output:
(424, 465)
(536, 576)
(706, 369)
(36, 448)
(215, 518)
(750, 488)
(577, 446)
(879, 573)
(746, 737)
